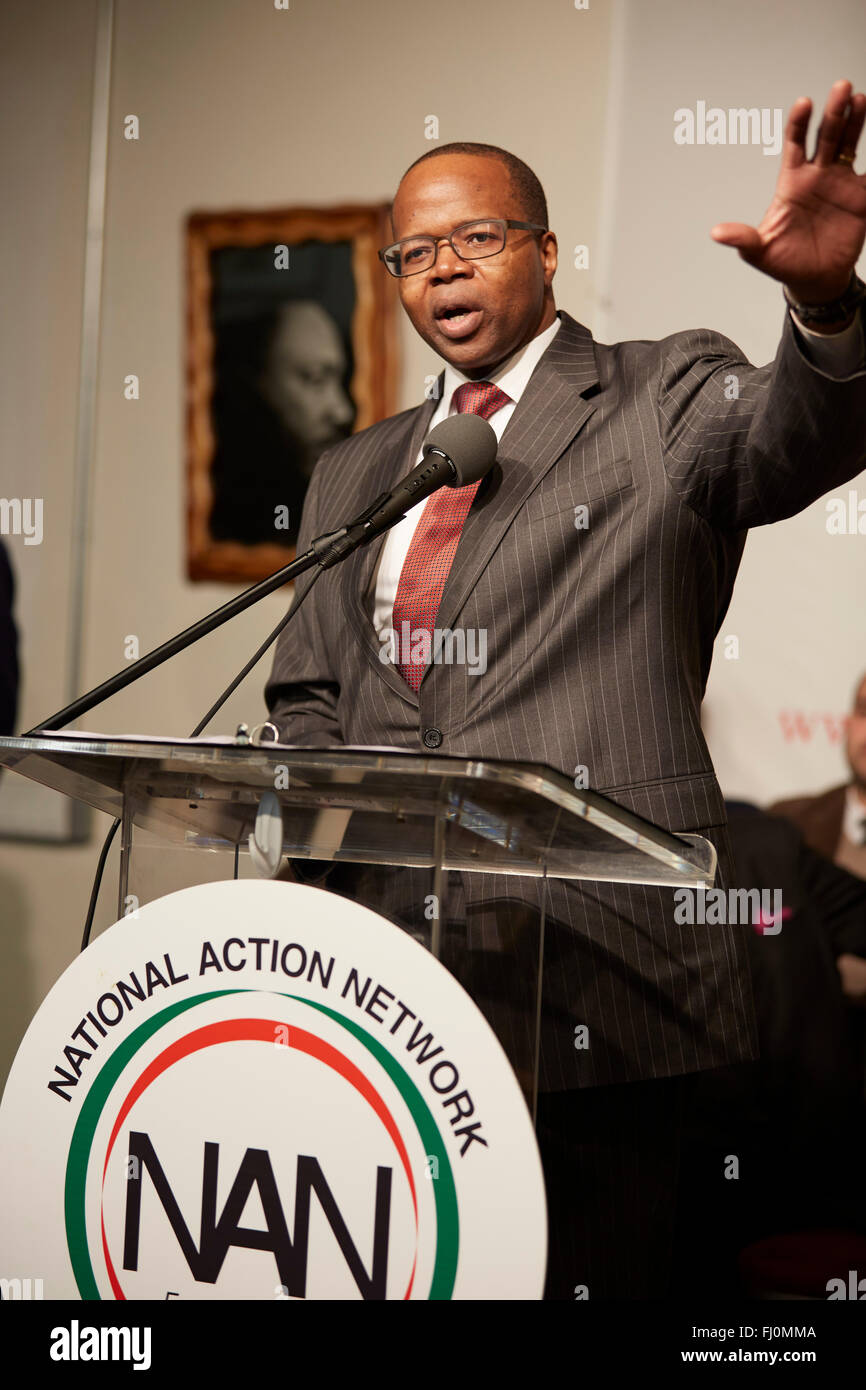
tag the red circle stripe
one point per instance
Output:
(260, 1030)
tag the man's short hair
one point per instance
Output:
(525, 184)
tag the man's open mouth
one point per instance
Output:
(458, 320)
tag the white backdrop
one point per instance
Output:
(773, 716)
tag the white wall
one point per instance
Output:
(239, 105)
(47, 57)
(799, 608)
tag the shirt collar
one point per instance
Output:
(513, 375)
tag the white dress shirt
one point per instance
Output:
(837, 355)
(512, 378)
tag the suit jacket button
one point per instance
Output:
(432, 738)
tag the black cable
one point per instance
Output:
(100, 868)
(253, 659)
(94, 892)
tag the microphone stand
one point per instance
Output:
(435, 469)
(175, 644)
(326, 550)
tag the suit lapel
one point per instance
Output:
(549, 414)
(357, 571)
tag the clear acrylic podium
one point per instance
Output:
(404, 834)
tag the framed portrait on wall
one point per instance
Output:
(291, 347)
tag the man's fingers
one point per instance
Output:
(794, 152)
(833, 123)
(851, 134)
(737, 234)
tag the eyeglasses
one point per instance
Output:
(471, 241)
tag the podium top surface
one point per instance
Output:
(384, 805)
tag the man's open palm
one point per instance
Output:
(813, 230)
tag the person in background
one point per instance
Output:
(834, 822)
(279, 403)
(795, 1119)
(303, 380)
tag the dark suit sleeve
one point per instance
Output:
(841, 898)
(748, 445)
(303, 689)
(8, 649)
(771, 851)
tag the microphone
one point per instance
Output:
(468, 443)
(459, 451)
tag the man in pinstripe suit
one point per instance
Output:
(599, 640)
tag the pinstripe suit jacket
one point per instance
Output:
(599, 648)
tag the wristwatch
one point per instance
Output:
(837, 311)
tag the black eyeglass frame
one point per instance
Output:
(503, 222)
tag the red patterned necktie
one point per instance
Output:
(432, 550)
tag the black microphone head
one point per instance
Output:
(469, 442)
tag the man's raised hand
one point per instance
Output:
(813, 231)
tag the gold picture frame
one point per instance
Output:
(313, 268)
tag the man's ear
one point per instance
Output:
(550, 246)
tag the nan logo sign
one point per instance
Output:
(261, 1090)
